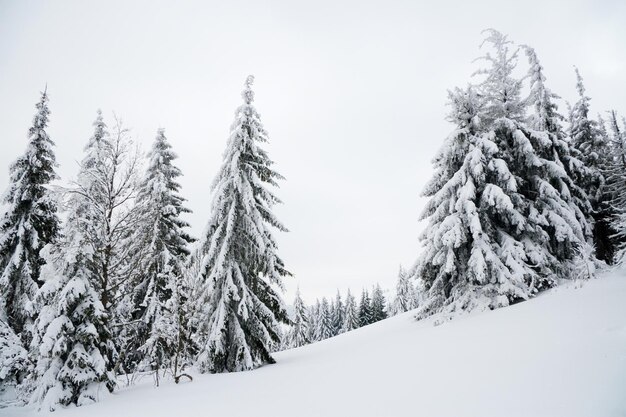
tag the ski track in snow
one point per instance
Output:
(561, 354)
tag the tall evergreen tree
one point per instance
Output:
(379, 308)
(405, 294)
(338, 314)
(365, 309)
(71, 339)
(351, 320)
(500, 223)
(162, 247)
(29, 223)
(616, 183)
(593, 146)
(299, 332)
(241, 261)
(552, 232)
(470, 258)
(324, 325)
(314, 312)
(564, 166)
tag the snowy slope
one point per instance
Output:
(561, 354)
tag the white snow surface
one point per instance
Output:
(560, 354)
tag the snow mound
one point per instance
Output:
(561, 354)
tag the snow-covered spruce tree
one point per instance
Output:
(471, 258)
(405, 294)
(71, 338)
(313, 319)
(379, 304)
(241, 266)
(29, 223)
(502, 223)
(324, 322)
(331, 310)
(561, 159)
(351, 319)
(553, 232)
(616, 183)
(365, 309)
(338, 314)
(588, 140)
(161, 241)
(299, 332)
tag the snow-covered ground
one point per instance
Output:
(561, 354)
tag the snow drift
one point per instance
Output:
(561, 354)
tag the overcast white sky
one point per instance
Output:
(352, 93)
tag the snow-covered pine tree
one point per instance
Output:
(379, 304)
(162, 249)
(351, 320)
(561, 160)
(299, 332)
(616, 183)
(588, 140)
(314, 311)
(71, 340)
(324, 325)
(331, 310)
(241, 265)
(405, 293)
(501, 219)
(471, 259)
(29, 223)
(338, 314)
(365, 309)
(552, 231)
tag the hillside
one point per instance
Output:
(561, 354)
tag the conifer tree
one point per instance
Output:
(29, 223)
(162, 247)
(567, 169)
(71, 339)
(379, 311)
(324, 328)
(405, 293)
(351, 320)
(241, 262)
(592, 144)
(503, 224)
(365, 310)
(314, 311)
(616, 183)
(299, 332)
(338, 314)
(552, 231)
(331, 310)
(470, 259)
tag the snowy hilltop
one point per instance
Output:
(560, 354)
